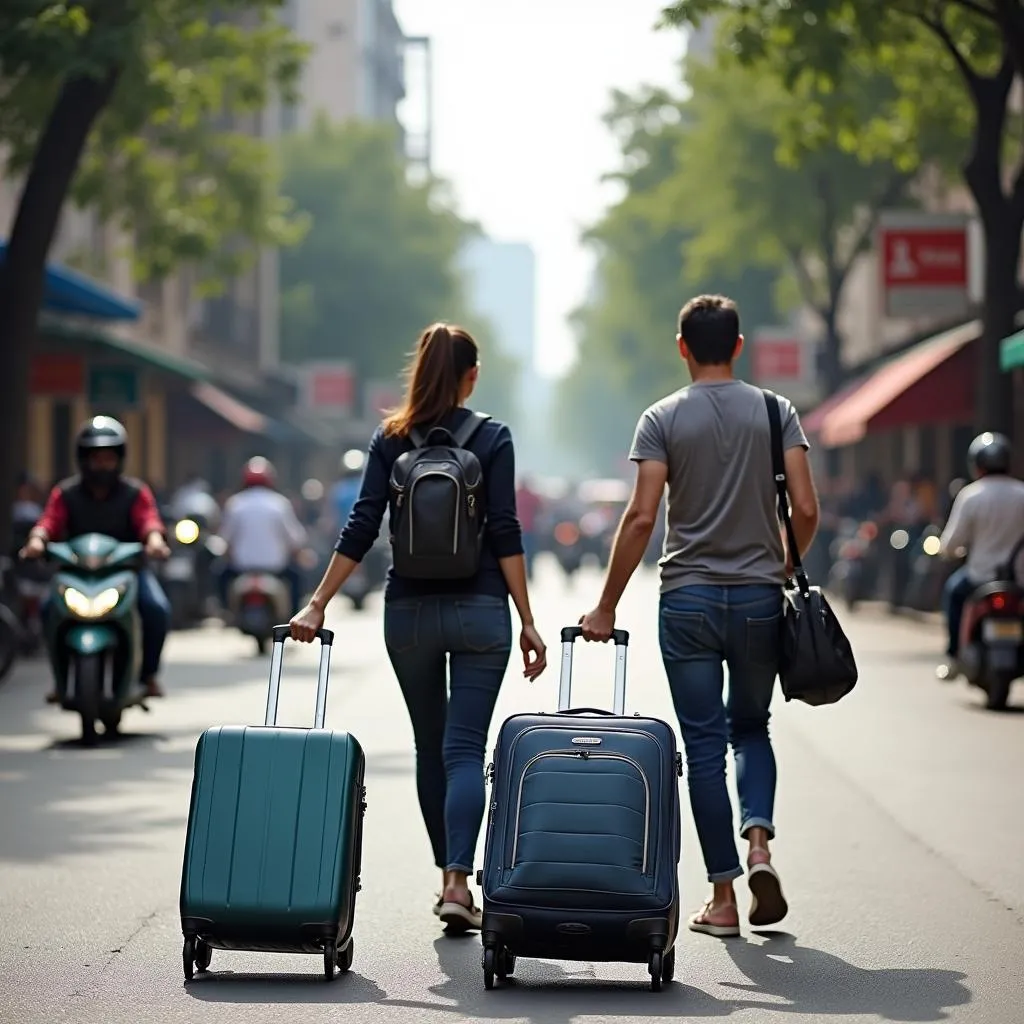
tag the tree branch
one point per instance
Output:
(977, 8)
(806, 283)
(935, 25)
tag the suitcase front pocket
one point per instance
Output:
(580, 815)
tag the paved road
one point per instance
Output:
(900, 838)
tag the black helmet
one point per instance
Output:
(101, 432)
(989, 453)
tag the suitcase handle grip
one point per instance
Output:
(570, 634)
(586, 711)
(282, 633)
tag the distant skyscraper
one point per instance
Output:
(501, 277)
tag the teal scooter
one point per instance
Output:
(93, 630)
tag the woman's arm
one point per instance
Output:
(504, 532)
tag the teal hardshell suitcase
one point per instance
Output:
(274, 841)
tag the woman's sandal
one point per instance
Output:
(768, 905)
(701, 922)
(458, 917)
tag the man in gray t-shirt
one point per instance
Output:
(721, 592)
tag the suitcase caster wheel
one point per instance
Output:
(505, 964)
(188, 958)
(668, 966)
(204, 954)
(330, 960)
(655, 967)
(346, 956)
(489, 961)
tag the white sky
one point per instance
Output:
(519, 92)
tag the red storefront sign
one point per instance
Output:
(778, 360)
(57, 375)
(924, 265)
(330, 388)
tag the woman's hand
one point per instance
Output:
(530, 643)
(306, 623)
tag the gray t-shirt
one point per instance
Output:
(721, 525)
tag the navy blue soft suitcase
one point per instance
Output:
(581, 856)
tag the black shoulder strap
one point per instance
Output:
(771, 401)
(418, 440)
(465, 433)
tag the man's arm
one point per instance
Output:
(54, 520)
(145, 515)
(634, 532)
(803, 499)
(959, 528)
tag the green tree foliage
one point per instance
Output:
(379, 262)
(948, 59)
(127, 106)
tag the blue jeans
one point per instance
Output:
(699, 628)
(954, 596)
(155, 613)
(450, 731)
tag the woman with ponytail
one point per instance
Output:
(427, 623)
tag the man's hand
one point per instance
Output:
(35, 547)
(598, 625)
(156, 546)
(306, 623)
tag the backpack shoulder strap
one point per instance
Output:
(417, 438)
(771, 401)
(465, 433)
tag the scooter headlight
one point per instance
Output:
(186, 531)
(92, 607)
(932, 546)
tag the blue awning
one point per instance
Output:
(74, 294)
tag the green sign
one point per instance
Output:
(113, 386)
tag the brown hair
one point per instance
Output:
(442, 358)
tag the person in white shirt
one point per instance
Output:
(261, 530)
(987, 519)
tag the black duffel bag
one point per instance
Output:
(816, 663)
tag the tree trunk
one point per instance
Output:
(831, 365)
(994, 392)
(23, 274)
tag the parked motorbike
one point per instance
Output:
(856, 569)
(10, 629)
(568, 547)
(257, 601)
(25, 585)
(93, 632)
(992, 635)
(928, 573)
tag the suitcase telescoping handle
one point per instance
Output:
(570, 634)
(280, 634)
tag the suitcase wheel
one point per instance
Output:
(195, 956)
(499, 963)
(338, 958)
(662, 968)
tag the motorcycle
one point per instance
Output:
(568, 547)
(187, 575)
(928, 572)
(93, 631)
(368, 576)
(856, 569)
(10, 629)
(25, 584)
(992, 635)
(258, 601)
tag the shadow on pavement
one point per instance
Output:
(821, 984)
(798, 979)
(229, 987)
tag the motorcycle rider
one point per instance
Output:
(345, 492)
(194, 500)
(102, 500)
(987, 518)
(262, 532)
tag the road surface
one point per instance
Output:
(901, 842)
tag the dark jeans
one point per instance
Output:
(701, 627)
(954, 596)
(290, 574)
(450, 717)
(155, 613)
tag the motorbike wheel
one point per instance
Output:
(358, 602)
(998, 692)
(88, 690)
(10, 639)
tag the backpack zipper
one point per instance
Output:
(458, 492)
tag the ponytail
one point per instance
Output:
(440, 362)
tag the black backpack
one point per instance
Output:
(437, 501)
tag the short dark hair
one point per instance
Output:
(710, 326)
